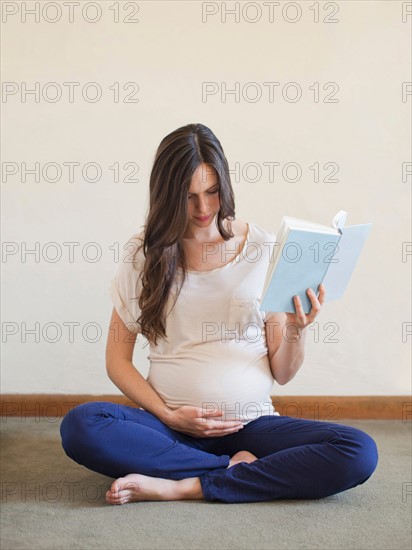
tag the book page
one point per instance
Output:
(296, 223)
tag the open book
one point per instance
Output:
(306, 254)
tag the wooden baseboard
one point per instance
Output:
(315, 407)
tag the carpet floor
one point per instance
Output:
(50, 502)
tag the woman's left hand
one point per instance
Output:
(300, 319)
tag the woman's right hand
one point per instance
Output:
(198, 422)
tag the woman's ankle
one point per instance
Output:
(190, 488)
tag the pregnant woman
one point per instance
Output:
(204, 426)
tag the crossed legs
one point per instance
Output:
(286, 458)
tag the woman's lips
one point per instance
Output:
(203, 219)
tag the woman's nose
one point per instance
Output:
(202, 205)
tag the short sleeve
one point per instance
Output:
(125, 287)
(270, 242)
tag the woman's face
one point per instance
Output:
(203, 197)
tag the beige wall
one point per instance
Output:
(170, 53)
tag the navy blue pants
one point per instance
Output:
(306, 459)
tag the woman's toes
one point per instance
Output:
(115, 486)
(244, 456)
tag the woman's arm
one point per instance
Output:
(286, 336)
(285, 347)
(120, 369)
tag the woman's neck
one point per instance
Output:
(201, 235)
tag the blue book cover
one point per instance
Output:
(307, 254)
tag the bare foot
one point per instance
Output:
(136, 487)
(242, 456)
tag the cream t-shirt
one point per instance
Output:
(215, 355)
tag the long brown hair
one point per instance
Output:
(178, 156)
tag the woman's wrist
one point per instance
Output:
(164, 414)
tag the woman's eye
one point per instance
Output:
(209, 193)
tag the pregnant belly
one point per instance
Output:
(236, 384)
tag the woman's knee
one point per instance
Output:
(78, 423)
(362, 452)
